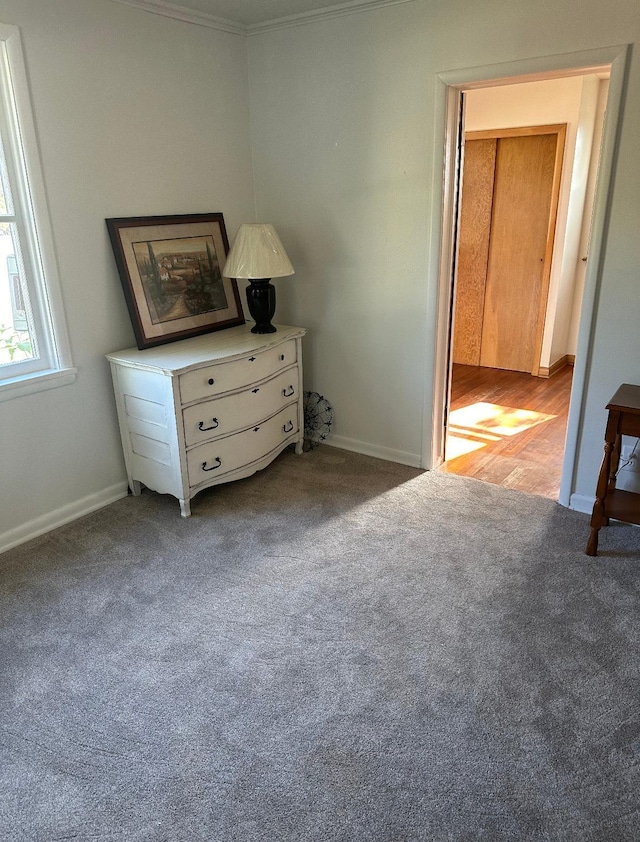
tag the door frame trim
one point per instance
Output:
(448, 120)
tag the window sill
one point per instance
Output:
(28, 384)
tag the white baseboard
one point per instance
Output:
(581, 503)
(386, 453)
(58, 517)
(73, 511)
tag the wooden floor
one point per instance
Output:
(521, 449)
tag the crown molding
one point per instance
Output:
(327, 13)
(188, 15)
(172, 10)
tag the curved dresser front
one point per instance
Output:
(208, 410)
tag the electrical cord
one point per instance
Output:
(629, 459)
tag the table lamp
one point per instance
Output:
(258, 255)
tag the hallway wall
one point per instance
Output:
(572, 101)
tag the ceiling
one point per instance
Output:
(253, 12)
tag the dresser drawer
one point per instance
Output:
(217, 458)
(223, 377)
(221, 416)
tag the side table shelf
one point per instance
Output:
(612, 502)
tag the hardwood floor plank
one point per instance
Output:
(531, 459)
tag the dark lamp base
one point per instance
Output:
(263, 329)
(261, 298)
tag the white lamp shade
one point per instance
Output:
(257, 253)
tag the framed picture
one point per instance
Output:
(171, 273)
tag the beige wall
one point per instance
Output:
(140, 114)
(344, 115)
(136, 114)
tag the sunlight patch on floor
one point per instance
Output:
(473, 427)
(460, 446)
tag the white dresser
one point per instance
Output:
(208, 410)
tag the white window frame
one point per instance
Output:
(53, 366)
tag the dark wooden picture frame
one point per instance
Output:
(171, 273)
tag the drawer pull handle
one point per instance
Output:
(213, 467)
(255, 429)
(204, 429)
(211, 381)
(252, 359)
(288, 427)
(286, 393)
(281, 357)
(255, 391)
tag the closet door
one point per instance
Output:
(509, 200)
(522, 201)
(473, 248)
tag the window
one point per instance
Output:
(34, 351)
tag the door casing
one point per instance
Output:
(448, 124)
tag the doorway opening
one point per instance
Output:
(526, 197)
(517, 406)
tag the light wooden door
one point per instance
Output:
(473, 248)
(507, 223)
(522, 195)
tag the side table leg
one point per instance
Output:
(598, 517)
(135, 487)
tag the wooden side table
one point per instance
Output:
(623, 420)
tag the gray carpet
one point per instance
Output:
(337, 648)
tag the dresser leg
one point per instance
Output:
(185, 508)
(135, 487)
(299, 448)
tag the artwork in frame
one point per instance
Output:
(171, 273)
